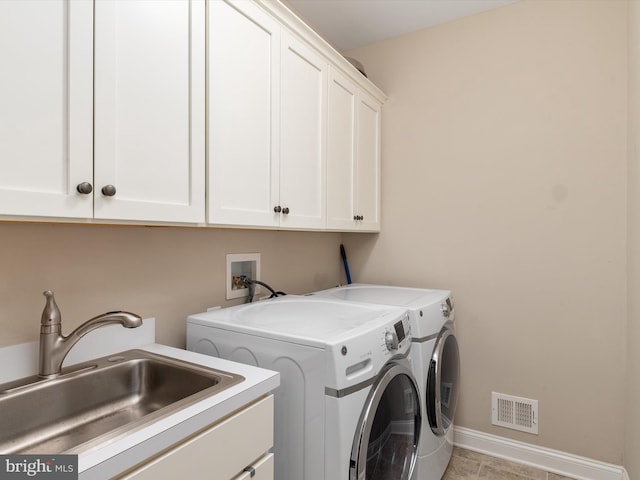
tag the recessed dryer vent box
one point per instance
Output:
(241, 266)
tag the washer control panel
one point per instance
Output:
(391, 340)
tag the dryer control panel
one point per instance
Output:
(397, 337)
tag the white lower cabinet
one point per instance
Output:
(261, 470)
(226, 450)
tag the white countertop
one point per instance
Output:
(131, 449)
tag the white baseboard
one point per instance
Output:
(562, 463)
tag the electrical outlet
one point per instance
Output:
(241, 266)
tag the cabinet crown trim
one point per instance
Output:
(289, 19)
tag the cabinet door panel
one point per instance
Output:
(368, 162)
(341, 166)
(302, 151)
(149, 109)
(244, 50)
(219, 452)
(262, 470)
(46, 107)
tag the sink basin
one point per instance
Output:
(96, 402)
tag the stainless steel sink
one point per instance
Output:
(98, 401)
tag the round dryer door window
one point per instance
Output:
(385, 444)
(442, 381)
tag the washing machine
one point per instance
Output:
(435, 362)
(348, 406)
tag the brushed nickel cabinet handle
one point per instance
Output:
(108, 190)
(85, 188)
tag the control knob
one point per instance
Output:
(391, 340)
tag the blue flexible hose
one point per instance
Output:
(343, 254)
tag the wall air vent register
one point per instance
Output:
(514, 412)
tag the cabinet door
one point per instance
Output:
(260, 470)
(244, 59)
(220, 452)
(149, 109)
(302, 135)
(341, 161)
(46, 107)
(368, 163)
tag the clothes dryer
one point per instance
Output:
(348, 406)
(435, 362)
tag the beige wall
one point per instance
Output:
(162, 272)
(632, 437)
(504, 161)
(504, 179)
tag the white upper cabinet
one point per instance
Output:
(353, 157)
(266, 122)
(149, 110)
(302, 136)
(183, 111)
(341, 152)
(368, 162)
(46, 107)
(120, 139)
(243, 109)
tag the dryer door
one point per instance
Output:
(442, 381)
(386, 440)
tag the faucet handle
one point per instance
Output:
(51, 314)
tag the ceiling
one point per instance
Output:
(349, 24)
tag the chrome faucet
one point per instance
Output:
(54, 346)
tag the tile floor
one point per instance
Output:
(468, 465)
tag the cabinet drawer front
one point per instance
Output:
(221, 451)
(262, 470)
